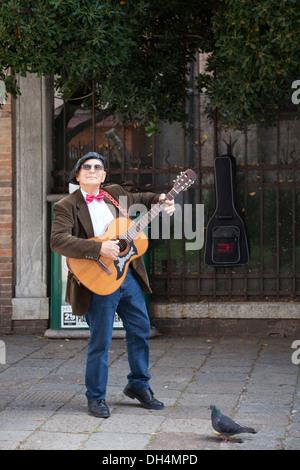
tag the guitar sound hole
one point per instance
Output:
(123, 245)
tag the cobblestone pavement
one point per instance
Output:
(254, 380)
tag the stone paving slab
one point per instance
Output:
(253, 380)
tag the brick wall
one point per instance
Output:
(6, 218)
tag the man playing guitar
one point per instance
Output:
(79, 218)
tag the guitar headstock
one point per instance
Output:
(184, 180)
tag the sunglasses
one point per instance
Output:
(88, 167)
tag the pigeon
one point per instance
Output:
(226, 426)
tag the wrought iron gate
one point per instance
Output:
(268, 195)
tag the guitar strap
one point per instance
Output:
(115, 203)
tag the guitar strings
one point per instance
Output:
(134, 231)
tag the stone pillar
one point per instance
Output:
(32, 180)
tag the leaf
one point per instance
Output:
(151, 129)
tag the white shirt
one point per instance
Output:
(100, 214)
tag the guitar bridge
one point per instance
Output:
(104, 267)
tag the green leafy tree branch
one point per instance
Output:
(254, 61)
(139, 52)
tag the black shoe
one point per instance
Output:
(99, 409)
(145, 397)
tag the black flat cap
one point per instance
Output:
(76, 168)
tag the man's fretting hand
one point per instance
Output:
(170, 206)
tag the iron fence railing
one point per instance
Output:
(268, 196)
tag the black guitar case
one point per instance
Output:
(226, 237)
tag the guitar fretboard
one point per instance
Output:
(184, 181)
(145, 220)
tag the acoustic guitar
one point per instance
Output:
(106, 275)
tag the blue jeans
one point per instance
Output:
(128, 301)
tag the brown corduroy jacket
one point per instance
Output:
(71, 228)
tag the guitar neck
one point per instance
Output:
(181, 184)
(145, 220)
